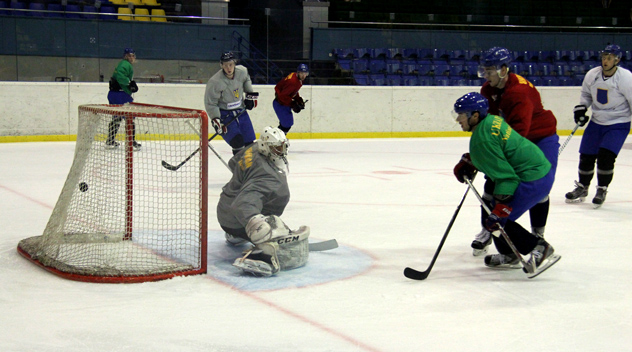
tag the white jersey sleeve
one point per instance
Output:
(610, 98)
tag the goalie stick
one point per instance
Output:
(168, 166)
(422, 275)
(323, 246)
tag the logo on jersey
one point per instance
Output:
(602, 96)
(236, 93)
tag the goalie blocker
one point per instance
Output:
(276, 247)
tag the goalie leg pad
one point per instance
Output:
(292, 251)
(262, 229)
(258, 263)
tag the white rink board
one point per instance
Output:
(33, 108)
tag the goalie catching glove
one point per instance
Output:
(276, 247)
(298, 104)
(251, 100)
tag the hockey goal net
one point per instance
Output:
(121, 215)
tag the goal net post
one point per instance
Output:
(121, 216)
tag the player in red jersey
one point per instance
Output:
(287, 98)
(518, 101)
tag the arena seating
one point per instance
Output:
(439, 67)
(83, 9)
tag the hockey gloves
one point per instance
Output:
(580, 115)
(219, 127)
(501, 211)
(133, 87)
(465, 168)
(298, 104)
(251, 100)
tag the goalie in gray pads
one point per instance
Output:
(251, 203)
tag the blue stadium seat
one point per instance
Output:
(566, 81)
(73, 8)
(578, 80)
(546, 69)
(393, 53)
(36, 7)
(516, 67)
(361, 79)
(107, 9)
(360, 52)
(562, 68)
(360, 65)
(343, 64)
(537, 81)
(472, 68)
(440, 54)
(425, 53)
(441, 69)
(627, 55)
(545, 56)
(87, 9)
(343, 53)
(577, 67)
(456, 70)
(18, 6)
(378, 53)
(393, 66)
(410, 53)
(550, 81)
(426, 81)
(409, 66)
(518, 55)
(55, 7)
(589, 64)
(473, 55)
(441, 81)
(530, 68)
(476, 82)
(424, 67)
(377, 65)
(410, 80)
(3, 5)
(458, 81)
(393, 80)
(377, 79)
(458, 54)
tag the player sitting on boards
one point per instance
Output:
(252, 202)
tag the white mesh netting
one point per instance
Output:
(122, 216)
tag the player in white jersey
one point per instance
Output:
(224, 102)
(607, 90)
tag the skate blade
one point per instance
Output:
(578, 200)
(554, 258)
(597, 206)
(479, 252)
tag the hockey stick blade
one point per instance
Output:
(168, 166)
(416, 275)
(323, 246)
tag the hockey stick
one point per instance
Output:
(323, 246)
(568, 139)
(168, 166)
(527, 269)
(209, 145)
(421, 275)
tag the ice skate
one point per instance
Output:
(600, 197)
(542, 257)
(111, 144)
(136, 146)
(257, 263)
(502, 261)
(481, 242)
(578, 194)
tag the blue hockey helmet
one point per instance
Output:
(612, 49)
(470, 103)
(128, 51)
(496, 56)
(227, 56)
(302, 68)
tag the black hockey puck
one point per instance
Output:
(83, 186)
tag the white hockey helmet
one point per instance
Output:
(273, 142)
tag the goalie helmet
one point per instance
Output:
(613, 49)
(273, 144)
(470, 103)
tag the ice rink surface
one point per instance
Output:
(388, 203)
